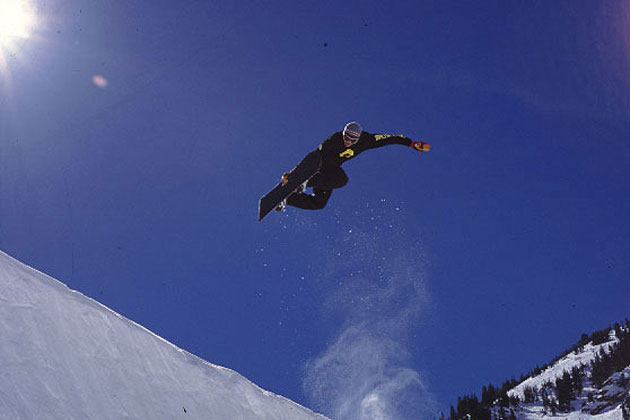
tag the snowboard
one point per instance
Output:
(302, 172)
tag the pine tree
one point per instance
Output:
(548, 400)
(625, 408)
(577, 380)
(584, 339)
(484, 395)
(529, 394)
(545, 398)
(502, 414)
(488, 395)
(601, 368)
(512, 415)
(565, 392)
(600, 337)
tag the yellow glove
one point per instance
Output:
(421, 146)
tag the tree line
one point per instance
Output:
(556, 396)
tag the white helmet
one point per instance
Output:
(351, 133)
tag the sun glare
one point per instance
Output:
(16, 21)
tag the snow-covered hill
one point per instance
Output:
(591, 402)
(589, 382)
(573, 360)
(65, 356)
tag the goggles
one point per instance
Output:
(350, 137)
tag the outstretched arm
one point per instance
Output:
(380, 140)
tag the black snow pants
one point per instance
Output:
(323, 182)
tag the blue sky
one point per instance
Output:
(426, 277)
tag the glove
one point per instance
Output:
(421, 146)
(285, 178)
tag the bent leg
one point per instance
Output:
(323, 183)
(330, 178)
(315, 201)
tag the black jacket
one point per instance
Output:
(334, 153)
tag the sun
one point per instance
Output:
(17, 21)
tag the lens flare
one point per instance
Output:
(16, 21)
(99, 81)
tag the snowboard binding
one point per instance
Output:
(298, 190)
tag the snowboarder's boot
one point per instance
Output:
(290, 184)
(281, 205)
(300, 188)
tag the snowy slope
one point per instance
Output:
(592, 403)
(530, 413)
(65, 356)
(555, 371)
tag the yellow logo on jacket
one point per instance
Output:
(378, 137)
(348, 153)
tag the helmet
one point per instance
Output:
(351, 133)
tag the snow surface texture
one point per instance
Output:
(65, 356)
(532, 414)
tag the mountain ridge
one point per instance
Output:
(589, 381)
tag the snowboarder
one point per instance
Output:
(334, 152)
